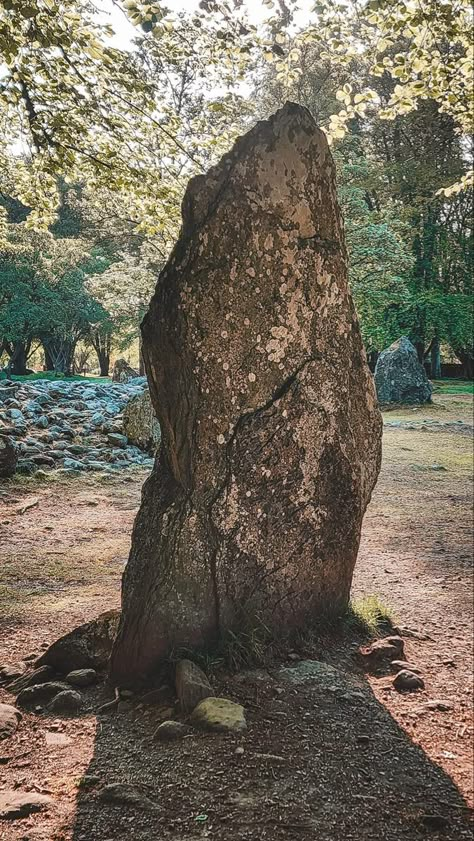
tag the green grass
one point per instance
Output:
(453, 386)
(50, 375)
(369, 615)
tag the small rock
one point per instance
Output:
(435, 822)
(124, 794)
(381, 652)
(220, 715)
(397, 665)
(82, 677)
(116, 440)
(239, 751)
(192, 685)
(170, 731)
(20, 804)
(9, 720)
(406, 680)
(68, 701)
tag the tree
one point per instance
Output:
(43, 296)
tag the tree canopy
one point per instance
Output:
(98, 144)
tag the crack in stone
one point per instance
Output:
(279, 392)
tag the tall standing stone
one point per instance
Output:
(270, 430)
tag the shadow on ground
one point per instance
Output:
(322, 759)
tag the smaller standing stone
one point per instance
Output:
(406, 680)
(192, 685)
(8, 456)
(399, 377)
(140, 424)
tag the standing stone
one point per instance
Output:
(140, 424)
(8, 456)
(270, 429)
(399, 377)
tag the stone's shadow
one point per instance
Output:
(322, 759)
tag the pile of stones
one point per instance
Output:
(69, 425)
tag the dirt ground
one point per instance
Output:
(368, 764)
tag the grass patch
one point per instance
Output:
(52, 376)
(369, 615)
(453, 386)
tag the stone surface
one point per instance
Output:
(9, 720)
(219, 715)
(82, 677)
(19, 804)
(270, 429)
(171, 731)
(40, 693)
(406, 680)
(8, 456)
(399, 377)
(68, 701)
(86, 647)
(192, 685)
(140, 424)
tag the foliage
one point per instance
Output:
(122, 122)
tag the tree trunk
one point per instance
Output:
(270, 430)
(59, 353)
(435, 359)
(102, 342)
(18, 359)
(466, 359)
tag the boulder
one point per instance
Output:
(8, 456)
(140, 424)
(192, 685)
(219, 715)
(9, 718)
(399, 377)
(86, 647)
(40, 693)
(271, 435)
